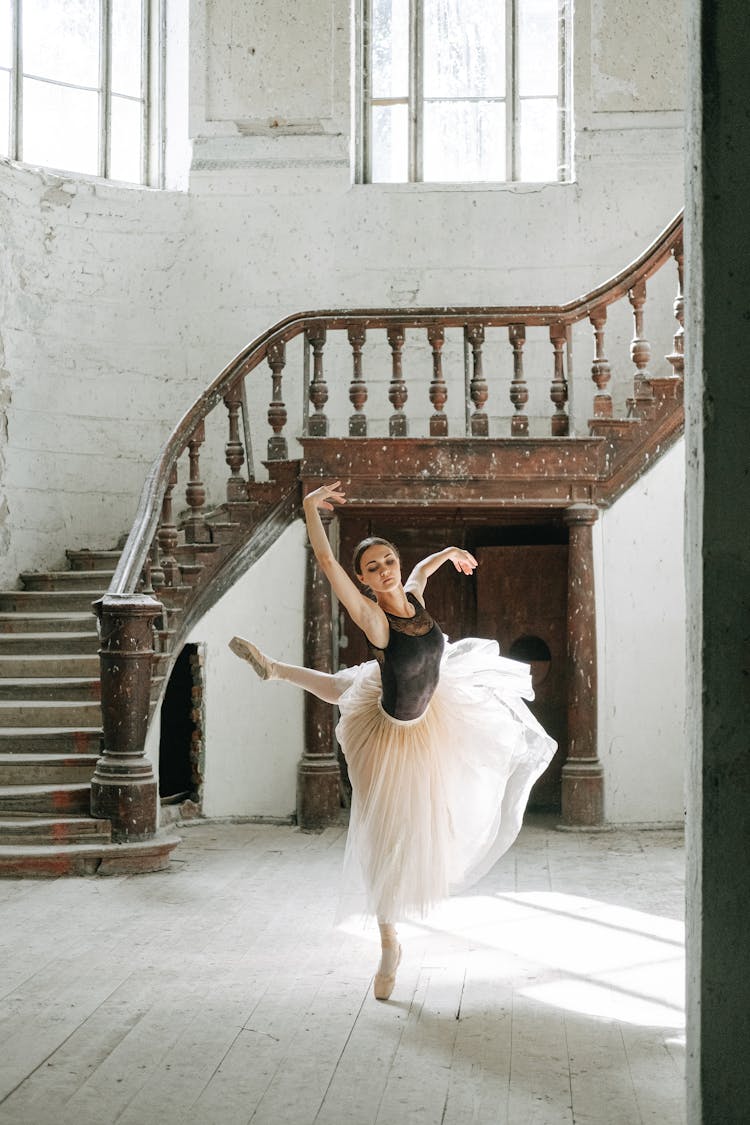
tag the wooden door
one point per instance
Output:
(522, 602)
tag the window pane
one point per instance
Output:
(4, 113)
(539, 140)
(60, 127)
(538, 60)
(390, 144)
(389, 56)
(464, 141)
(61, 40)
(126, 47)
(127, 131)
(6, 53)
(464, 48)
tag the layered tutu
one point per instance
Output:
(436, 800)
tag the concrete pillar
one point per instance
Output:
(718, 563)
(124, 788)
(318, 774)
(582, 775)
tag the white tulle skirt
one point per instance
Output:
(438, 799)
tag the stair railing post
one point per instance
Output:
(582, 774)
(124, 788)
(318, 773)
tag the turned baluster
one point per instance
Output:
(438, 389)
(398, 425)
(519, 392)
(234, 452)
(318, 423)
(168, 535)
(640, 349)
(601, 372)
(478, 390)
(357, 387)
(157, 570)
(277, 447)
(560, 425)
(677, 357)
(196, 530)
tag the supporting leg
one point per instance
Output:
(390, 958)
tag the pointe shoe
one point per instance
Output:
(246, 650)
(383, 984)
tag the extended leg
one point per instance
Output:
(328, 686)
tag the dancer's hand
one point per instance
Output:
(462, 560)
(322, 497)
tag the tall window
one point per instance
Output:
(465, 90)
(75, 85)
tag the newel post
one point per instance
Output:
(124, 788)
(318, 774)
(582, 774)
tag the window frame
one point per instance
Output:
(415, 100)
(153, 64)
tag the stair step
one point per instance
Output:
(49, 713)
(48, 644)
(68, 799)
(47, 769)
(93, 560)
(51, 860)
(33, 831)
(43, 601)
(50, 740)
(225, 532)
(54, 688)
(53, 622)
(66, 580)
(45, 665)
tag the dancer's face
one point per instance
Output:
(380, 568)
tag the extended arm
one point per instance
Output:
(363, 612)
(464, 562)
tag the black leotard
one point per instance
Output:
(410, 663)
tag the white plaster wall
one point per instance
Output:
(117, 306)
(253, 730)
(641, 642)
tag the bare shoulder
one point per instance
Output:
(416, 590)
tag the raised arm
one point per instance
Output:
(363, 612)
(464, 562)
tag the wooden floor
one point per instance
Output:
(219, 993)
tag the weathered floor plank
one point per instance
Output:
(219, 992)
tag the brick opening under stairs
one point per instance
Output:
(50, 728)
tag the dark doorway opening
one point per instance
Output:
(180, 744)
(518, 596)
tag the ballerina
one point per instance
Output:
(440, 747)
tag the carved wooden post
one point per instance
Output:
(560, 424)
(317, 426)
(519, 392)
(318, 774)
(196, 530)
(168, 536)
(398, 425)
(478, 389)
(234, 452)
(277, 446)
(438, 389)
(600, 369)
(640, 349)
(357, 387)
(677, 358)
(582, 775)
(123, 788)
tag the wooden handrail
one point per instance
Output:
(128, 572)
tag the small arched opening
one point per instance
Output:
(181, 735)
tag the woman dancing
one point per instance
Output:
(441, 749)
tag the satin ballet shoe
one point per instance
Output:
(383, 984)
(246, 650)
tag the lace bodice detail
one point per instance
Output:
(410, 662)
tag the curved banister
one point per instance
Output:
(128, 572)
